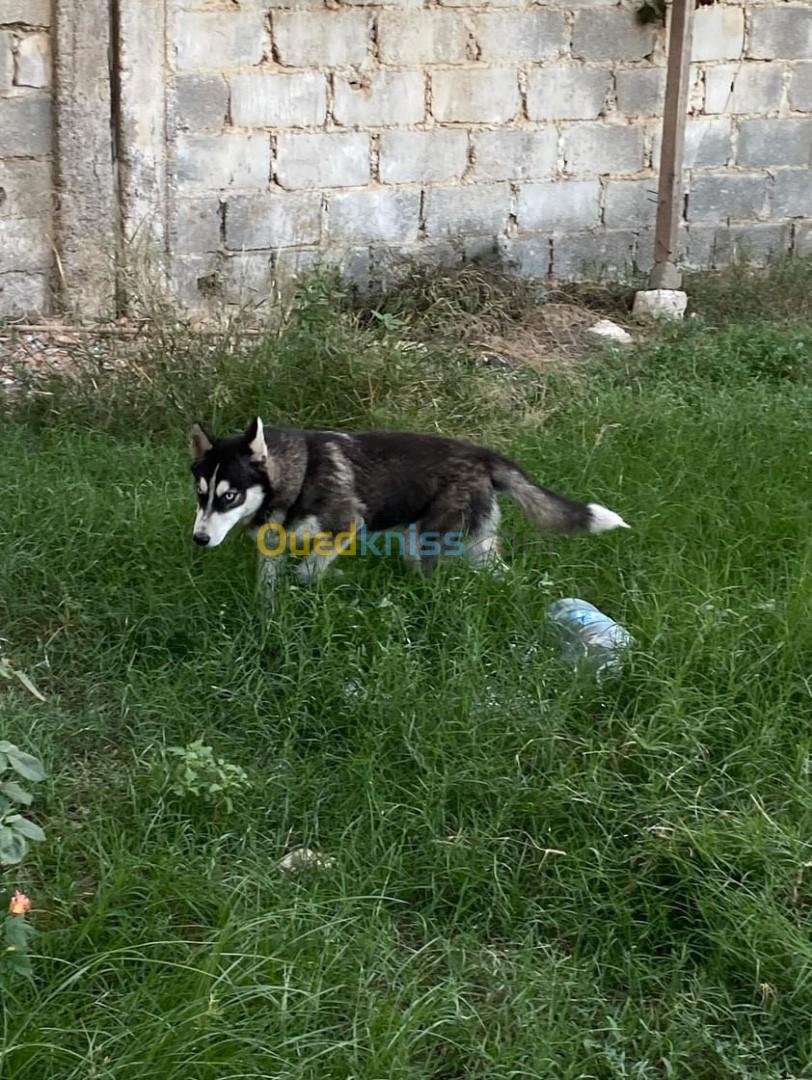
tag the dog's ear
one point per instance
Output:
(255, 437)
(199, 442)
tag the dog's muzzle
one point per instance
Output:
(201, 538)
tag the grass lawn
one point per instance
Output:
(534, 876)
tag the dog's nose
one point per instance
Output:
(201, 538)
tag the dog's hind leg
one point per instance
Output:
(482, 542)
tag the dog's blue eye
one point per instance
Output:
(229, 495)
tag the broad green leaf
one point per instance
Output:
(17, 932)
(27, 766)
(26, 828)
(13, 790)
(5, 746)
(12, 846)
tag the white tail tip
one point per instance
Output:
(602, 519)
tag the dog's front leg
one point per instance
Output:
(271, 568)
(325, 550)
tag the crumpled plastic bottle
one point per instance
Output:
(589, 638)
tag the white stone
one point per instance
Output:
(660, 304)
(609, 332)
(304, 858)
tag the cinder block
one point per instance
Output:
(567, 92)
(603, 148)
(25, 244)
(219, 39)
(528, 257)
(475, 95)
(226, 160)
(6, 61)
(197, 225)
(537, 34)
(802, 241)
(246, 279)
(197, 282)
(515, 155)
(707, 142)
(630, 203)
(27, 12)
(387, 97)
(718, 33)
(468, 210)
(333, 159)
(594, 255)
(325, 38)
(480, 3)
(201, 101)
(421, 37)
(423, 156)
(757, 244)
(563, 204)
(24, 294)
(781, 33)
(800, 87)
(34, 61)
(390, 265)
(792, 193)
(27, 188)
(727, 196)
(273, 220)
(640, 91)
(357, 217)
(613, 34)
(743, 88)
(292, 263)
(354, 266)
(264, 99)
(775, 142)
(25, 126)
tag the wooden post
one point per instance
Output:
(665, 274)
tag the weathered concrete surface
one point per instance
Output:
(254, 139)
(86, 233)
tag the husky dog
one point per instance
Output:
(326, 482)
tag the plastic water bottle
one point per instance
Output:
(589, 638)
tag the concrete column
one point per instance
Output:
(87, 212)
(142, 131)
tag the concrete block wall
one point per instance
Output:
(26, 183)
(247, 140)
(356, 132)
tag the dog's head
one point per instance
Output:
(231, 481)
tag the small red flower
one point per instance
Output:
(19, 904)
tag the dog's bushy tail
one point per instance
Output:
(547, 509)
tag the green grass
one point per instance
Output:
(535, 876)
